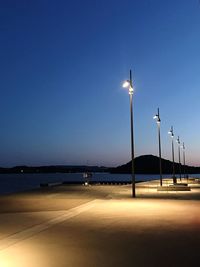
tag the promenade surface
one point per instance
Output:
(100, 226)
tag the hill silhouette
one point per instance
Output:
(149, 164)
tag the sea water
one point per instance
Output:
(10, 183)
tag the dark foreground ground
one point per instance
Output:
(79, 226)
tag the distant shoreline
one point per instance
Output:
(49, 170)
(146, 164)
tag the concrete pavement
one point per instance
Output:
(80, 226)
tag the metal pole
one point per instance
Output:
(185, 169)
(172, 136)
(159, 150)
(174, 177)
(132, 139)
(184, 159)
(179, 157)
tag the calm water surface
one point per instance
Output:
(10, 183)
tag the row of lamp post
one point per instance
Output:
(129, 84)
(171, 132)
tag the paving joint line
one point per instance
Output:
(31, 231)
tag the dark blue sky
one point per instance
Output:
(62, 66)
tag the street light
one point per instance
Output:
(129, 84)
(171, 132)
(157, 118)
(183, 147)
(179, 156)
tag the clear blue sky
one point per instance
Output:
(62, 64)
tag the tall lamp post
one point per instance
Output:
(179, 156)
(183, 147)
(157, 117)
(171, 132)
(129, 84)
